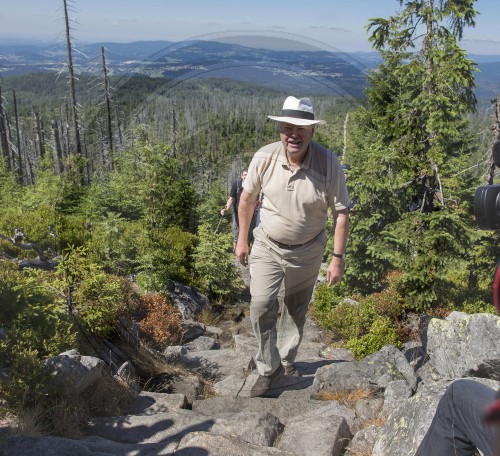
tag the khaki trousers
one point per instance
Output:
(295, 269)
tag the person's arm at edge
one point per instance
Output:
(246, 209)
(227, 206)
(335, 270)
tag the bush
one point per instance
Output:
(345, 321)
(117, 243)
(167, 256)
(95, 297)
(28, 384)
(214, 265)
(161, 323)
(326, 298)
(381, 333)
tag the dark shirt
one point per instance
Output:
(235, 193)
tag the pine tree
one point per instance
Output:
(411, 143)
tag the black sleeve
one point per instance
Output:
(234, 189)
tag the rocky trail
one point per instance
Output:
(404, 387)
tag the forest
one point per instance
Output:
(110, 187)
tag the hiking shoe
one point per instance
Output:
(264, 382)
(291, 370)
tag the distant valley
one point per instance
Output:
(312, 72)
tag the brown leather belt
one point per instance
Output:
(282, 245)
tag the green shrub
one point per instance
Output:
(31, 313)
(472, 306)
(95, 297)
(214, 263)
(381, 333)
(345, 321)
(28, 384)
(11, 301)
(325, 298)
(117, 243)
(387, 303)
(36, 327)
(167, 256)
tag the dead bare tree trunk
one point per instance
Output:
(58, 156)
(39, 136)
(66, 130)
(3, 130)
(108, 109)
(174, 134)
(72, 91)
(18, 139)
(12, 158)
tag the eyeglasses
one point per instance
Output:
(288, 129)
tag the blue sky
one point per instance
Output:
(333, 24)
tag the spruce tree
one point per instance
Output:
(408, 150)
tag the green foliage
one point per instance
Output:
(28, 383)
(117, 243)
(120, 191)
(209, 209)
(381, 333)
(30, 313)
(167, 256)
(94, 297)
(325, 298)
(213, 263)
(348, 320)
(407, 150)
(36, 327)
(170, 198)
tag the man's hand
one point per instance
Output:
(335, 271)
(242, 252)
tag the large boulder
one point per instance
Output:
(189, 300)
(374, 372)
(408, 423)
(71, 372)
(464, 345)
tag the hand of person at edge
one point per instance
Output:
(242, 252)
(335, 271)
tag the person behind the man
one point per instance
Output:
(233, 202)
(301, 180)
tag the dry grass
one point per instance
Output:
(207, 390)
(108, 397)
(208, 318)
(69, 417)
(148, 365)
(154, 367)
(27, 422)
(346, 397)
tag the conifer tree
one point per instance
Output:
(410, 145)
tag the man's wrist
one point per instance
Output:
(339, 255)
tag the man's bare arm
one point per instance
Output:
(246, 209)
(335, 270)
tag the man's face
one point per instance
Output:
(244, 175)
(296, 138)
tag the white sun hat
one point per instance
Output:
(298, 112)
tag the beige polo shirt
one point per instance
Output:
(296, 202)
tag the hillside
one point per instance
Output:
(315, 72)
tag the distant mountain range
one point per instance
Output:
(314, 72)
